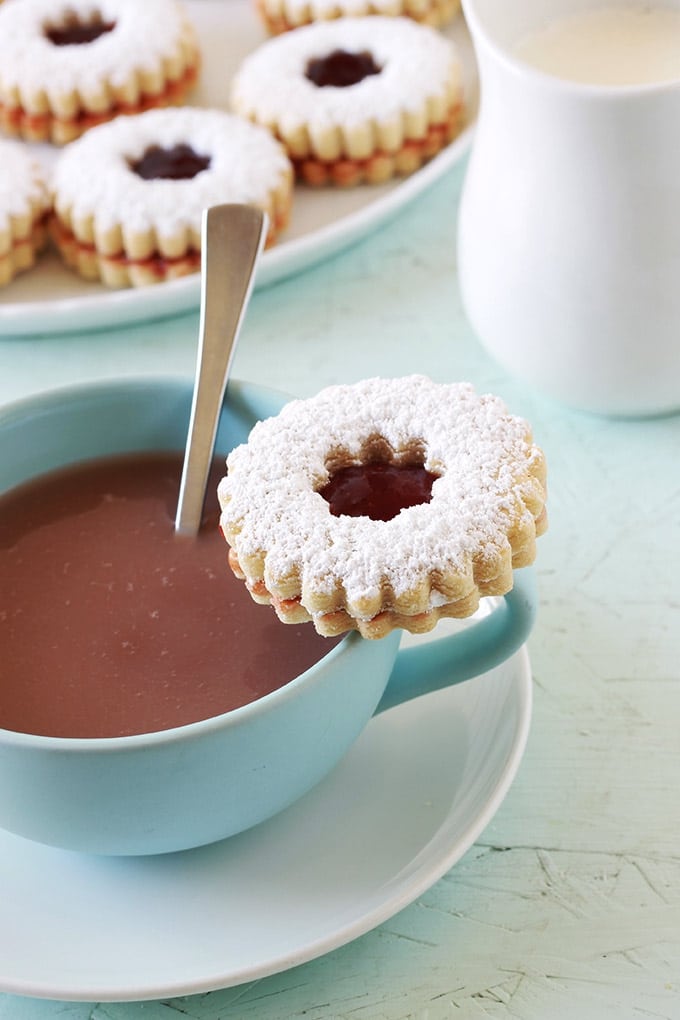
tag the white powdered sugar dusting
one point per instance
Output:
(22, 187)
(416, 62)
(481, 453)
(93, 176)
(145, 32)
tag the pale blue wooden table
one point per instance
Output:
(568, 905)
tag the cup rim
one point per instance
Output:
(31, 403)
(26, 408)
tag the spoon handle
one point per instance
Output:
(232, 239)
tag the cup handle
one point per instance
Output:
(458, 657)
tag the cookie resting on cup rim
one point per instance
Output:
(474, 521)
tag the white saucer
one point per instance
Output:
(408, 800)
(51, 299)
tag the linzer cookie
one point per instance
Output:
(129, 195)
(388, 503)
(24, 205)
(356, 99)
(283, 15)
(67, 65)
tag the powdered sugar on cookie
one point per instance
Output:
(486, 506)
(416, 63)
(94, 181)
(23, 191)
(24, 204)
(145, 34)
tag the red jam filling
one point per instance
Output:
(175, 164)
(341, 68)
(75, 33)
(377, 490)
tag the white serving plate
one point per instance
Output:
(366, 842)
(52, 299)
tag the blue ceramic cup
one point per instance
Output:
(198, 783)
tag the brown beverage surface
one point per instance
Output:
(110, 624)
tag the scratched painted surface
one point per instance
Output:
(569, 904)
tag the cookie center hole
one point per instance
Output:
(379, 490)
(341, 68)
(74, 32)
(175, 164)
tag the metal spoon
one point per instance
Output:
(232, 238)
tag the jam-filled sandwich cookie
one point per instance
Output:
(24, 206)
(129, 195)
(388, 503)
(66, 65)
(284, 15)
(354, 100)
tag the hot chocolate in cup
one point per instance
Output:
(147, 791)
(569, 225)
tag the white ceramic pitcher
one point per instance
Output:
(569, 229)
